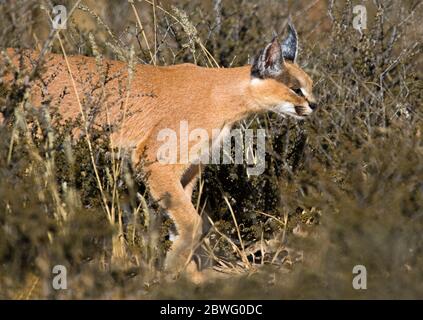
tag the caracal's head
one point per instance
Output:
(277, 83)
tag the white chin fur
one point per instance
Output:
(286, 109)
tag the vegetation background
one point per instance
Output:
(341, 189)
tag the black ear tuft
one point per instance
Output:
(269, 61)
(290, 44)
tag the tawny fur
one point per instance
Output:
(158, 98)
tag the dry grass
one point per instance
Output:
(340, 189)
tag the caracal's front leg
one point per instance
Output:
(190, 178)
(165, 186)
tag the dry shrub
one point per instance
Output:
(340, 189)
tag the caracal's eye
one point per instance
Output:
(298, 91)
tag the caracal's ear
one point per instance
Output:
(290, 44)
(269, 62)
